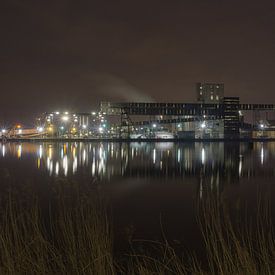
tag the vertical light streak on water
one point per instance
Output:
(74, 152)
(203, 156)
(65, 165)
(48, 163)
(50, 152)
(84, 155)
(3, 150)
(240, 166)
(19, 151)
(57, 168)
(51, 167)
(262, 155)
(74, 165)
(40, 153)
(93, 163)
(102, 157)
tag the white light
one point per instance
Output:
(65, 118)
(61, 128)
(3, 150)
(179, 125)
(40, 151)
(65, 165)
(203, 125)
(262, 126)
(57, 113)
(20, 131)
(3, 131)
(240, 166)
(178, 155)
(154, 125)
(75, 120)
(262, 155)
(203, 156)
(84, 126)
(93, 113)
(66, 113)
(57, 168)
(100, 129)
(40, 129)
(74, 165)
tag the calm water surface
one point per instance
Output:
(149, 184)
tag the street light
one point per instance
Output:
(203, 125)
(40, 129)
(100, 129)
(65, 118)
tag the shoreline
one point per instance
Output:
(129, 140)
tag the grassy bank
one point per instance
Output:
(70, 232)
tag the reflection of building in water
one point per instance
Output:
(231, 161)
(213, 164)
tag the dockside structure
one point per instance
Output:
(228, 110)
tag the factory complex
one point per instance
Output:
(212, 116)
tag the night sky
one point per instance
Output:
(57, 55)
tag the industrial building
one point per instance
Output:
(212, 116)
(210, 92)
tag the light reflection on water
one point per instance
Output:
(230, 161)
(189, 171)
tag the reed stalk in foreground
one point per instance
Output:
(72, 238)
(72, 235)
